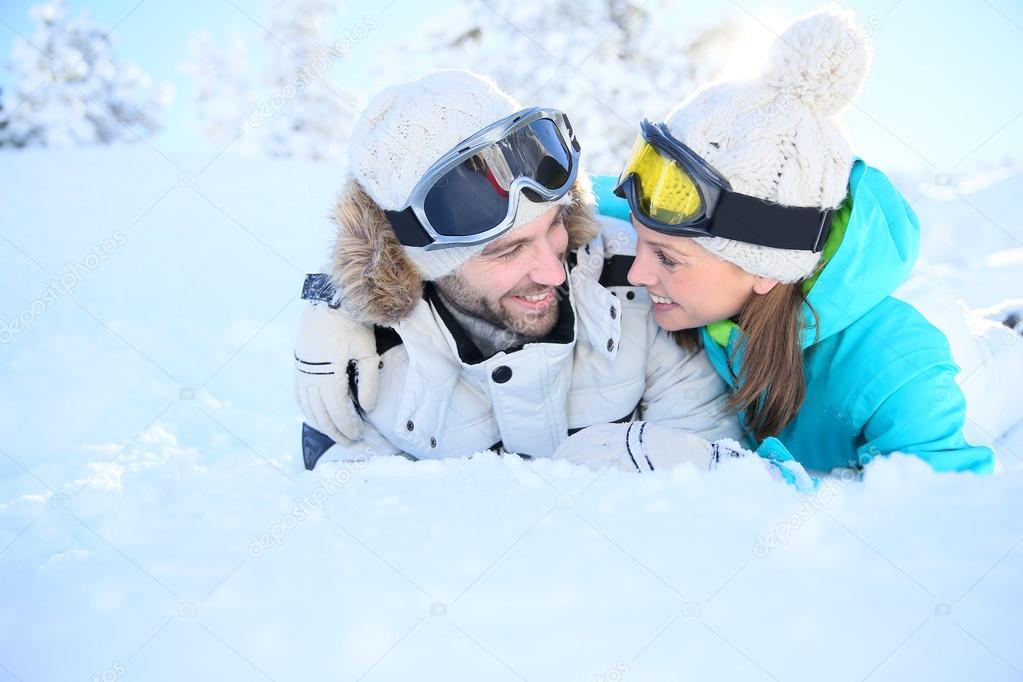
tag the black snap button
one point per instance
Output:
(502, 374)
(409, 425)
(380, 365)
(433, 442)
(630, 295)
(614, 312)
(610, 345)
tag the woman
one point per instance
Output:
(762, 239)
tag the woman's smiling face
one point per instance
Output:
(689, 286)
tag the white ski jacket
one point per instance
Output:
(605, 361)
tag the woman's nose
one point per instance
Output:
(639, 274)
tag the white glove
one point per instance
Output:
(330, 346)
(788, 470)
(645, 446)
(637, 446)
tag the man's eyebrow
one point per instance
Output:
(498, 246)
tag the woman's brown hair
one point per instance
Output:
(771, 383)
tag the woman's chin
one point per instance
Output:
(671, 318)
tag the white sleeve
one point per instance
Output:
(683, 390)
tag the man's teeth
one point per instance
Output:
(660, 299)
(535, 298)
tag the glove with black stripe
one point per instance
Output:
(645, 446)
(334, 357)
(636, 446)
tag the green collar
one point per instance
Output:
(839, 222)
(721, 331)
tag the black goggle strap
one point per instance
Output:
(740, 216)
(755, 221)
(407, 227)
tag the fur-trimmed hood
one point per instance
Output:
(377, 283)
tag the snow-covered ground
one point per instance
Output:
(155, 523)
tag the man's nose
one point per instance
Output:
(549, 268)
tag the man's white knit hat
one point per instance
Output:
(775, 137)
(406, 128)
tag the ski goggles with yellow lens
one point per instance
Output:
(672, 190)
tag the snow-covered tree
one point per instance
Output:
(306, 114)
(607, 63)
(222, 77)
(3, 118)
(290, 105)
(70, 88)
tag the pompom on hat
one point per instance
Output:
(775, 137)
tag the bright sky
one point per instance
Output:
(943, 96)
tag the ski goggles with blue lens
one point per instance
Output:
(672, 190)
(470, 195)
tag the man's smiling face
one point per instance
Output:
(512, 282)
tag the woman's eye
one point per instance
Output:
(665, 261)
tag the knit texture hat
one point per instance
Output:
(775, 137)
(406, 128)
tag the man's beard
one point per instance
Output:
(530, 324)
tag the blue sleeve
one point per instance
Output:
(775, 452)
(773, 449)
(607, 203)
(925, 417)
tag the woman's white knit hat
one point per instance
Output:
(406, 128)
(775, 137)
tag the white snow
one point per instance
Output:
(155, 523)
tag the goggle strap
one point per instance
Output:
(407, 227)
(755, 221)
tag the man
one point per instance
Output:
(473, 299)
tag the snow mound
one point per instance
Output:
(495, 568)
(155, 523)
